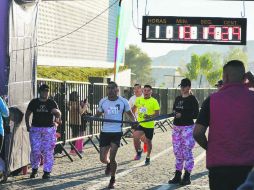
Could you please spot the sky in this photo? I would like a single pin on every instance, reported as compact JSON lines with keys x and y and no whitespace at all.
{"x":199,"y":8}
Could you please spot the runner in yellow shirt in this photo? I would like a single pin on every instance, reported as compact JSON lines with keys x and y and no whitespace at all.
{"x":147,"y":107}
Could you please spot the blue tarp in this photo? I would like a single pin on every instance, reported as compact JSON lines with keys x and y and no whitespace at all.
{"x":4,"y":14}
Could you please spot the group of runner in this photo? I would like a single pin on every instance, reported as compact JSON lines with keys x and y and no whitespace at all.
{"x":143,"y":106}
{"x":222,"y":156}
{"x":113,"y":107}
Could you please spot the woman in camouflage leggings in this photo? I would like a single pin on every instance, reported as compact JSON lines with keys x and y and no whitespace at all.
{"x":46,"y":117}
{"x":186,"y":109}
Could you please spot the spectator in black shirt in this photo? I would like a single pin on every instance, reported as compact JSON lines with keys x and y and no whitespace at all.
{"x":46,"y":117}
{"x":186,"y":109}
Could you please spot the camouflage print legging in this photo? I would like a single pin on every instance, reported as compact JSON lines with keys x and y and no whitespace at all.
{"x":43,"y":140}
{"x":183,"y":143}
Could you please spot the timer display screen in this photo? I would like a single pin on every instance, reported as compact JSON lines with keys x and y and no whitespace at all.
{"x":199,"y":30}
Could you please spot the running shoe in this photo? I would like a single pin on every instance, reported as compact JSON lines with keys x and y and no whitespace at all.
{"x":111,"y":184}
{"x":107,"y":170}
{"x":138,"y":156}
{"x":147,"y":162}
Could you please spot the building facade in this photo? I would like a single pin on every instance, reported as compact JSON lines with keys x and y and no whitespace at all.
{"x":90,"y":46}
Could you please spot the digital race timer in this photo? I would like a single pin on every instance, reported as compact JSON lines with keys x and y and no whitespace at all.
{"x":199,"y":30}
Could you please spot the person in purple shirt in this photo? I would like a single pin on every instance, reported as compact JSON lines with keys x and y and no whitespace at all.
{"x":229,"y":114}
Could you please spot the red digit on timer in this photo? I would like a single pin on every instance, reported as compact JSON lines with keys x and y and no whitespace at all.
{"x":224,"y":33}
{"x":186,"y":32}
{"x":236,"y":33}
{"x":211,"y":32}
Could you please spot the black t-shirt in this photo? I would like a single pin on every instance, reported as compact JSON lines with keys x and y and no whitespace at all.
{"x":188,"y":107}
{"x":42,"y":116}
{"x":204,"y":114}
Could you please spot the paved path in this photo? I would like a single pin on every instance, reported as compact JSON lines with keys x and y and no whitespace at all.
{"x":88,"y":173}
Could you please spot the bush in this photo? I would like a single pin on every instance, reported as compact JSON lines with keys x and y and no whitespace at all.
{"x":73,"y":73}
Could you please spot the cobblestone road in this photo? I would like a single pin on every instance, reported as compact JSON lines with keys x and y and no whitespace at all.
{"x":88,"y":173}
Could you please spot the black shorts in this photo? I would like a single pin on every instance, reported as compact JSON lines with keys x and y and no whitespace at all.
{"x":107,"y":138}
{"x":148,"y":131}
{"x":227,"y":177}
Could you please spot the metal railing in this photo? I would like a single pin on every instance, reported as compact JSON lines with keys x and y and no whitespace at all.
{"x":69,"y":96}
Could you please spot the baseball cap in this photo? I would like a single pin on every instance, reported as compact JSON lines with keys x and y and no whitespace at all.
{"x":44,"y":87}
{"x":219,"y":83}
{"x":185,"y":82}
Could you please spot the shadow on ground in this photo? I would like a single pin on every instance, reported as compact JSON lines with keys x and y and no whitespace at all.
{"x":172,"y":186}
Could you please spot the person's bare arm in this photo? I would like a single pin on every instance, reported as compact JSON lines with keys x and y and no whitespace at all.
{"x":98,"y":114}
{"x":199,"y":135}
{"x":134,"y":109}
{"x":250,"y":78}
{"x":27,"y":118}
{"x":57,"y":113}
{"x":132,"y":118}
{"x":156,"y":113}
{"x":131,"y":115}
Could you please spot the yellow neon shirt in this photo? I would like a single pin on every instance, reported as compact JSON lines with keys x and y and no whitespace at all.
{"x":148,"y":107}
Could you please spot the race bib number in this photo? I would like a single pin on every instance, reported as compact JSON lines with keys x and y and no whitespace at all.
{"x":143,"y":110}
{"x":112,"y":111}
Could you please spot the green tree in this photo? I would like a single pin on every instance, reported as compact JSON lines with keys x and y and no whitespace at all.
{"x":162,"y":85}
{"x":206,"y":63}
{"x":213,"y":76}
{"x":140,"y":64}
{"x":210,"y":65}
{"x":207,"y":66}
{"x":237,"y":53}
{"x":193,"y":68}
{"x":73,"y":73}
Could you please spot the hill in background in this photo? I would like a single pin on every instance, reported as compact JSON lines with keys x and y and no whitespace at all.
{"x":178,"y":58}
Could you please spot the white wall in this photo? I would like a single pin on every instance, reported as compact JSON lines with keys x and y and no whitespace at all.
{"x":92,"y":45}
{"x":123,"y":78}
{"x":69,"y":62}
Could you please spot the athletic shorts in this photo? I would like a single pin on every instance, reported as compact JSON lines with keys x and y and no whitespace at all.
{"x":148,"y":131}
{"x":107,"y":138}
